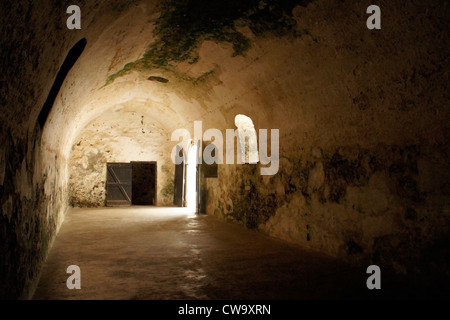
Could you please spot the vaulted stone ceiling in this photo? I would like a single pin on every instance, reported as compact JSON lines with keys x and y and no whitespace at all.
{"x":362,"y":114}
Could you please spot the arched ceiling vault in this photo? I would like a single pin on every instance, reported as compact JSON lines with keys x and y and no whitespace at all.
{"x":213,"y":86}
{"x":299,"y":78}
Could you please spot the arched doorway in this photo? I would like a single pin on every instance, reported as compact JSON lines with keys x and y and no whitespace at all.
{"x":247,"y":140}
{"x":191,"y":179}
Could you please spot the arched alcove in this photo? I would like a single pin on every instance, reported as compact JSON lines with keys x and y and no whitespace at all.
{"x":247,"y":139}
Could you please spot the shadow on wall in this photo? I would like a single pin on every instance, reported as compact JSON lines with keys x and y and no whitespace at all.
{"x":362,"y":205}
{"x":29,"y":217}
{"x":69,"y":62}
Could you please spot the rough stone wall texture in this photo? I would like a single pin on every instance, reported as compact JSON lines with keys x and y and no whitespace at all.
{"x":374,"y":205}
{"x":33,"y":184}
{"x":363,"y":171}
{"x":124,"y":134}
{"x":31,"y":198}
{"x":362,"y":114}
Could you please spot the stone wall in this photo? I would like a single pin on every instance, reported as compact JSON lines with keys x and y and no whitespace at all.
{"x":363,"y":173}
{"x":124,"y":134}
{"x":362,"y":114}
{"x":32,"y":198}
{"x":375,"y":205}
{"x":33,"y":176}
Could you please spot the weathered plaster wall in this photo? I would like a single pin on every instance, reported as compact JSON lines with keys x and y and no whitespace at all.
{"x":363,"y":123}
{"x":32,"y":200}
{"x":366,"y":205}
{"x":33,"y":171}
{"x":362,"y":114}
{"x":123,"y":134}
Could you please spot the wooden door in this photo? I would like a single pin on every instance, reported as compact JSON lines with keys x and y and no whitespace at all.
{"x":144,"y":183}
{"x":201,"y":189}
{"x":178,"y":195}
{"x":118,"y":184}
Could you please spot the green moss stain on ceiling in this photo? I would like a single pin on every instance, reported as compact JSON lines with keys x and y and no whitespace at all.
{"x":184,"y":24}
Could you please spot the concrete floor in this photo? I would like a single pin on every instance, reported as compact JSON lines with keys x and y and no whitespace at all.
{"x":166,"y":253}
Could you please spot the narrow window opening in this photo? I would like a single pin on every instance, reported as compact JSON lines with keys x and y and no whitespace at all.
{"x":191,"y":179}
{"x":68,"y":63}
{"x":247,"y":140}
